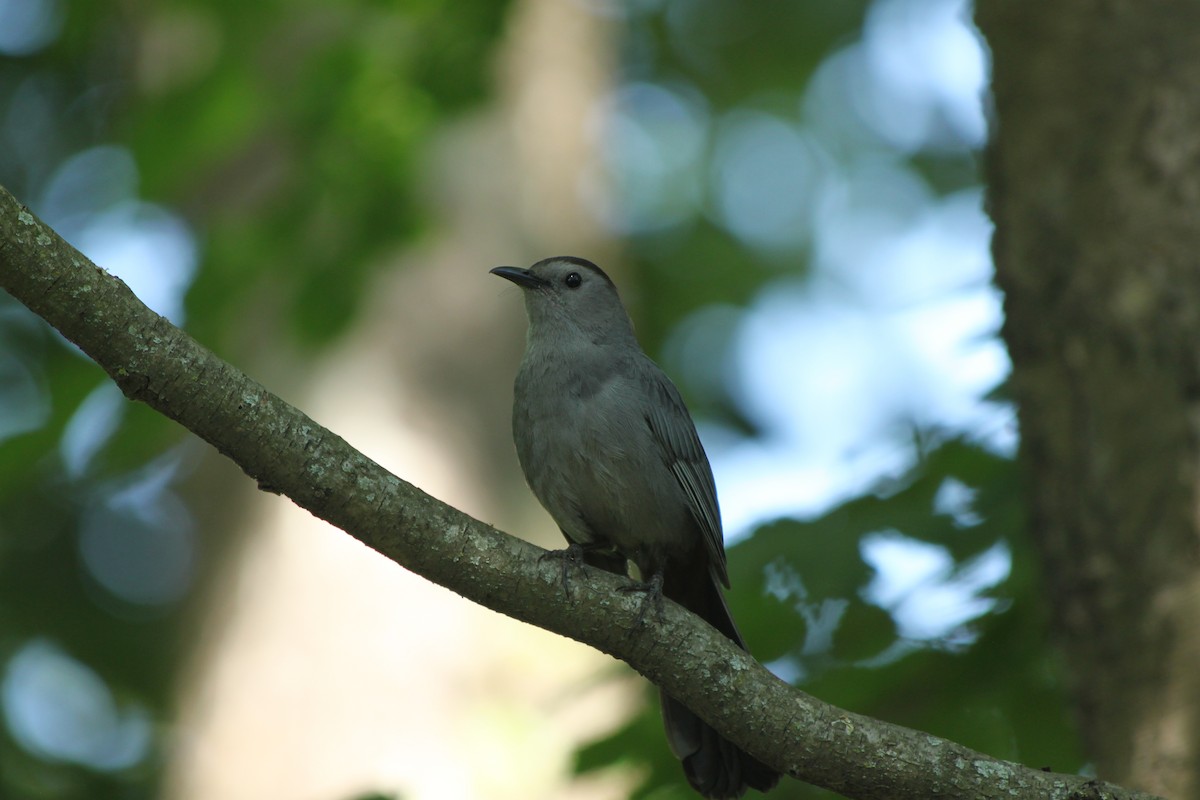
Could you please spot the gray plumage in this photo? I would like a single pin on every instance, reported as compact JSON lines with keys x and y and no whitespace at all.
{"x":609,"y":449}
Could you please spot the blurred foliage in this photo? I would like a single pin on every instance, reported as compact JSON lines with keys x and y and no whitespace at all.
{"x":286,"y":135}
{"x":736,"y":57}
{"x":301,"y":141}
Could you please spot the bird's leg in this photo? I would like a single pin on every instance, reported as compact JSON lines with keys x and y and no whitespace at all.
{"x":652,"y":596}
{"x":598,"y":554}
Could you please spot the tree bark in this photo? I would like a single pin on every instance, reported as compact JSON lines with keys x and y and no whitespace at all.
{"x":288,"y":453}
{"x":1094,"y":181}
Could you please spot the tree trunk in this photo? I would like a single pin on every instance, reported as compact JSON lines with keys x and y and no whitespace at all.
{"x":1094,"y":175}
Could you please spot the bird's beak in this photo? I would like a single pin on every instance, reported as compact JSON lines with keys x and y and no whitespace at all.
{"x":521,"y":277}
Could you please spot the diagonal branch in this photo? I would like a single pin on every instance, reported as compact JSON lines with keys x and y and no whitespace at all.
{"x":288,"y":453}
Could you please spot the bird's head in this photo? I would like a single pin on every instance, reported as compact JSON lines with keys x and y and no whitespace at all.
{"x":568,"y":296}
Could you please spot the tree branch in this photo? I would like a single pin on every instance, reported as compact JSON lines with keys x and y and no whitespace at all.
{"x":287,"y":453}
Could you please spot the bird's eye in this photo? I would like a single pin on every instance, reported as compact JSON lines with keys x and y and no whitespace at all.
{"x":572,"y":280}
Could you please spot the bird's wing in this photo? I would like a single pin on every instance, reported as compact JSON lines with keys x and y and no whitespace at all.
{"x":675,"y":432}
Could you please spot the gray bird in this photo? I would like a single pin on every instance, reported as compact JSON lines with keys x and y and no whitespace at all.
{"x":611,"y":452}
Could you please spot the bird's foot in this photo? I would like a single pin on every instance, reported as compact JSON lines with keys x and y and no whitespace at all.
{"x":594,"y":554}
{"x":652,"y":596}
{"x":570,"y":556}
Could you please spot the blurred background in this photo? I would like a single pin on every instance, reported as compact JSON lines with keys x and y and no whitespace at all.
{"x":787,"y":194}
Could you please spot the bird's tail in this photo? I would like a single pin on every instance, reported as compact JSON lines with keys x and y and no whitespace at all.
{"x":715,"y":766}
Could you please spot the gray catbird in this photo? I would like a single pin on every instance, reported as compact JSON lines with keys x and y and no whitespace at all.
{"x":609,"y":449}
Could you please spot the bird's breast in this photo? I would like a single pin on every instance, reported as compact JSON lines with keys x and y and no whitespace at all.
{"x":590,"y":457}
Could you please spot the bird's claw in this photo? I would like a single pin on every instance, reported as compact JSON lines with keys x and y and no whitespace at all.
{"x":652,"y":595}
{"x":593,"y":554}
{"x":571,"y":555}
